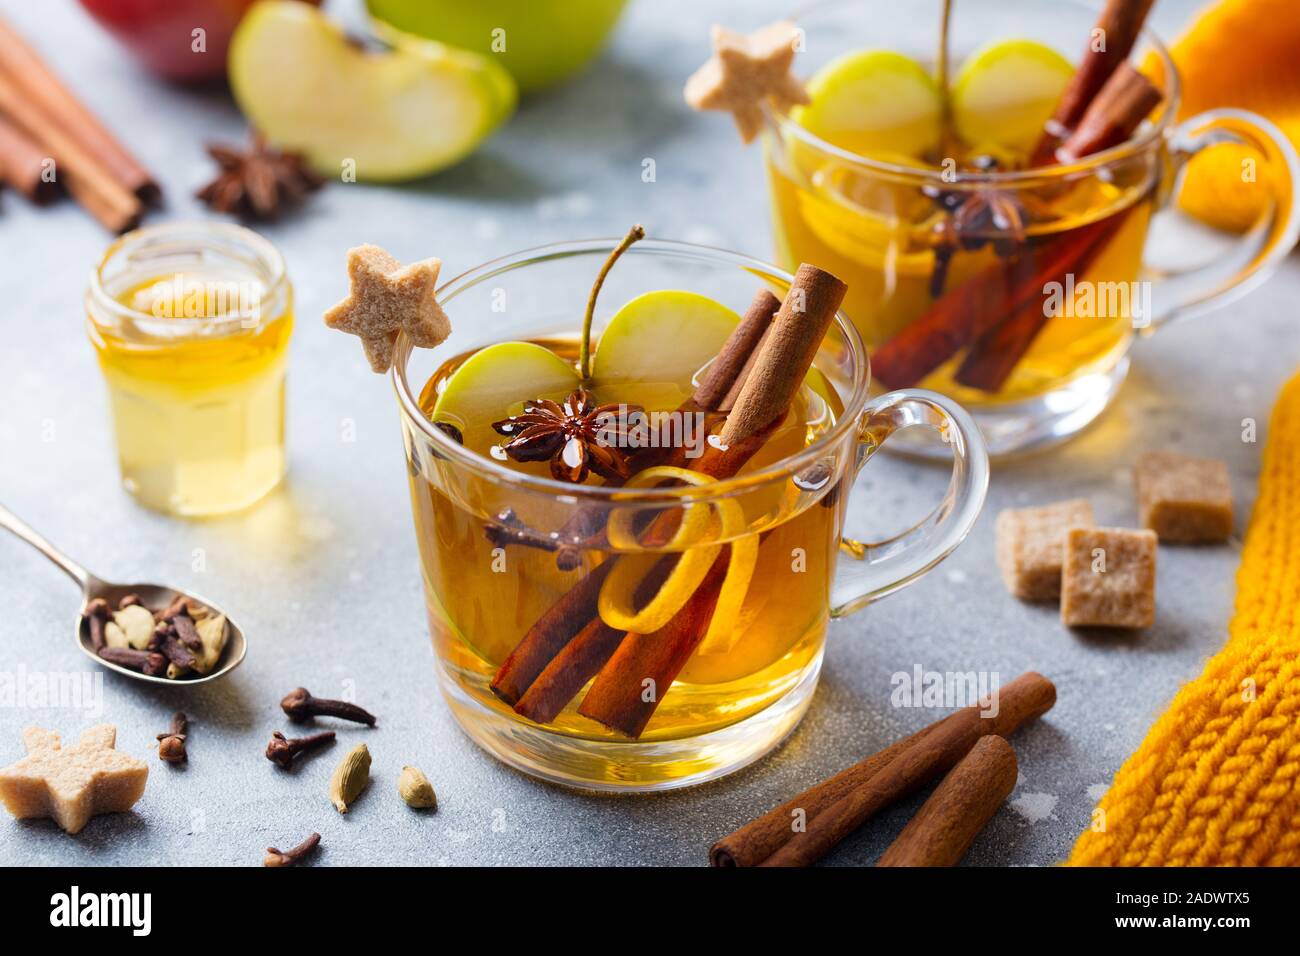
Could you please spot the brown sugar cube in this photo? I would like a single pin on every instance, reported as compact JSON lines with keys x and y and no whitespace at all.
{"x":72,"y":784}
{"x":1182,"y":498}
{"x":1029,"y":546}
{"x":1109,"y":578}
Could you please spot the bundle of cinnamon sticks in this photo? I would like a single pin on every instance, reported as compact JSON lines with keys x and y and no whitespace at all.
{"x":997,"y":314}
{"x":753,"y":381}
{"x":966,"y":748}
{"x":50,"y":141}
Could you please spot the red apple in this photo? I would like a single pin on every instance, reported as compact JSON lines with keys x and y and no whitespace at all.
{"x":164,"y":34}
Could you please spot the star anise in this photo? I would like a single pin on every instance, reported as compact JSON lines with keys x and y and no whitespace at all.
{"x":577,"y":436}
{"x":973,"y":219}
{"x":257,"y":182}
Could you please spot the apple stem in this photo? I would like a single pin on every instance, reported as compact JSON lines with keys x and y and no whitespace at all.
{"x":584,"y":354}
{"x":941,"y":79}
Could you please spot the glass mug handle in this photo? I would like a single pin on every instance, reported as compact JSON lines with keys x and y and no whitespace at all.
{"x":869,"y":571}
{"x":1275,"y":241}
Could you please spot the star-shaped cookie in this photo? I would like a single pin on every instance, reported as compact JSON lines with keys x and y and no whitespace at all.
{"x":72,"y":784}
{"x":386,"y":298}
{"x":747,"y":71}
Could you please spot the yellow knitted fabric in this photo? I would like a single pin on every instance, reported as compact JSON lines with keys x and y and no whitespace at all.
{"x":1217,"y":780}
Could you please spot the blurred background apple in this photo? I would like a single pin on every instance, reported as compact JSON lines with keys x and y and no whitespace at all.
{"x":161,"y":32}
{"x":545,"y":41}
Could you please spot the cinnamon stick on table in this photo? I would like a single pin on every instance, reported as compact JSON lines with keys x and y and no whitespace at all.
{"x":42,"y":88}
{"x":965,"y":800}
{"x":23,"y":164}
{"x":103,"y":196}
{"x":1109,"y":44}
{"x":1028,"y":696}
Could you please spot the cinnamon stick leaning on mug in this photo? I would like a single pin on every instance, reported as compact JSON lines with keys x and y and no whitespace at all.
{"x":715,"y":394}
{"x":1011,"y":292}
{"x":1127,"y":98}
{"x":1123,"y":103}
{"x":965,"y":800}
{"x":620,"y":664}
{"x":1109,"y":44}
{"x":618,"y":696}
{"x":830,"y":811}
{"x":573,"y":618}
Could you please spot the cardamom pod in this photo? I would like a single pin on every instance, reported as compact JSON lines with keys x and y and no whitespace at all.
{"x":414,"y":788}
{"x":350,"y":777}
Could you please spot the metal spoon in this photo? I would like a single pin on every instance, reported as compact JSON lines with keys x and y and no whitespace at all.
{"x":151,"y":596}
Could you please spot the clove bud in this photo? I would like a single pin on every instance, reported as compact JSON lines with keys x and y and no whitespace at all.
{"x":171,"y":745}
{"x":301,"y":706}
{"x":183,"y":624}
{"x":97,"y":616}
{"x":179,"y":603}
{"x":291,"y":857}
{"x":150,"y":663}
{"x":282,"y":750}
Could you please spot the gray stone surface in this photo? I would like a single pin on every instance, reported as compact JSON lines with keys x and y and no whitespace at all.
{"x":323,"y":574}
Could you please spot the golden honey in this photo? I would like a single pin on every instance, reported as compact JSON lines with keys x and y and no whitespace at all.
{"x":191,"y":327}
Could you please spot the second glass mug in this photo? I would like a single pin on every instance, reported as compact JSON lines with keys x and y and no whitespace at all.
{"x":870,"y":220}
{"x":725,"y":710}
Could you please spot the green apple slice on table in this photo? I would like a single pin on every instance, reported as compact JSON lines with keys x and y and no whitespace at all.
{"x":1006,"y":92}
{"x":396,"y":114}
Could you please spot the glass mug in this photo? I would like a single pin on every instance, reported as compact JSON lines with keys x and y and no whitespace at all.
{"x":720,"y":711}
{"x":190,"y":323}
{"x":872,"y":219}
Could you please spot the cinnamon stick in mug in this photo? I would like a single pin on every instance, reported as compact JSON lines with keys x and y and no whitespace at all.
{"x":716,"y":393}
{"x":527,"y":670}
{"x":965,"y":800}
{"x":1028,"y":696}
{"x":1109,"y":44}
{"x":727,"y":370}
{"x":1123,"y":103}
{"x":1119,"y":109}
{"x":993,"y":356}
{"x":976,"y":307}
{"x":618,"y":697}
